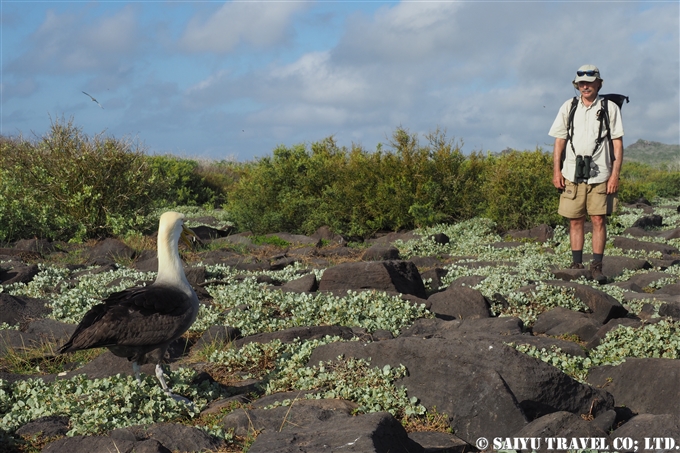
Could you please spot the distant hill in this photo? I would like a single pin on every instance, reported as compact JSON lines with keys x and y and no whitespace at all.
{"x":653,"y":153}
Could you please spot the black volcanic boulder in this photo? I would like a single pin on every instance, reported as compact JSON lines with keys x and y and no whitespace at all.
{"x":300,"y":412}
{"x":157,"y":438}
{"x":17,"y":309}
{"x":645,"y":386}
{"x":305,"y":284}
{"x":379,"y":252}
{"x":563,"y":425}
{"x":394,"y":276}
{"x":649,"y":221}
{"x":540,"y":233}
{"x":671,"y":308}
{"x":296,"y":333}
{"x":378,"y":432}
{"x":658,"y":433}
{"x":460,"y":302}
{"x":110,"y":250}
{"x":603,"y":306}
{"x":487,"y":388}
{"x":562,"y":321}
{"x":19,"y":273}
{"x":644,"y":246}
{"x":50,"y":426}
{"x":614,"y":265}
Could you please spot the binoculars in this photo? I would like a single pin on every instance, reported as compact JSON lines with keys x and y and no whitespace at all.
{"x":585,"y":168}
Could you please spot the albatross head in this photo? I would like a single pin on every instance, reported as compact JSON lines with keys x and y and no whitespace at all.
{"x":171,"y":230}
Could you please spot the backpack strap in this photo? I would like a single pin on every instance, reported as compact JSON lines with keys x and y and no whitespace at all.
{"x":570,"y":129}
{"x":605,"y":118}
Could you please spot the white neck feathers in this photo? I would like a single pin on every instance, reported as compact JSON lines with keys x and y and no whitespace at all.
{"x":170,"y":270}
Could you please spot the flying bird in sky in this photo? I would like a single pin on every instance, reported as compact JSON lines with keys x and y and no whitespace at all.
{"x":93,"y":99}
{"x":140,"y":323}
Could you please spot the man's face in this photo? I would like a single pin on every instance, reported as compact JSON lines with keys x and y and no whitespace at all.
{"x":589,"y":89}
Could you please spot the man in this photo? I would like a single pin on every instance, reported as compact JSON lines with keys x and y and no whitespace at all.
{"x":589,"y":175}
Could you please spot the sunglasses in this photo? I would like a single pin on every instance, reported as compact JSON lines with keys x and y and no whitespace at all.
{"x":587,"y":73}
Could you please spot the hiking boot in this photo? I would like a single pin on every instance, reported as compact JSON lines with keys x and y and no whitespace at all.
{"x":596,"y":272}
{"x":577,"y":266}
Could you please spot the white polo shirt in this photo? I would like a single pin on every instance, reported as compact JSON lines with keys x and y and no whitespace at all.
{"x":586,"y":127}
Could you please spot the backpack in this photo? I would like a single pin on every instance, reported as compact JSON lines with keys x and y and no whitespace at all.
{"x":604,"y":118}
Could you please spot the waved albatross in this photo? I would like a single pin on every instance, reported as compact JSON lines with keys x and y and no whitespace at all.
{"x":138,"y":321}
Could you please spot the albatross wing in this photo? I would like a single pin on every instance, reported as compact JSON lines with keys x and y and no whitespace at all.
{"x":135,"y":321}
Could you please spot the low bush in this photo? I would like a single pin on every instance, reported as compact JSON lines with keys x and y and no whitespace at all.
{"x":409,"y":185}
{"x":644,"y":181}
{"x":356,"y":192}
{"x":191,"y":182}
{"x":519,"y":190}
{"x":66,"y":185}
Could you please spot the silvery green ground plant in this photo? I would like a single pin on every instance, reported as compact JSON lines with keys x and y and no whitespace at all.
{"x":99,"y":405}
{"x":654,"y":340}
{"x":271,"y":310}
{"x":73,"y":300}
{"x":372,"y":388}
{"x":283,"y":368}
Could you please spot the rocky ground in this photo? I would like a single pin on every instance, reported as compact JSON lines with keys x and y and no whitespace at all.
{"x":477,"y":374}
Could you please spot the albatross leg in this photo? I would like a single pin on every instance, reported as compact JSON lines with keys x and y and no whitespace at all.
{"x":159,"y":375}
{"x":135,"y":368}
{"x":166,"y":389}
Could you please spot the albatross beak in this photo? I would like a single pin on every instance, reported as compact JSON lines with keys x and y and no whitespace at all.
{"x":186,"y":233}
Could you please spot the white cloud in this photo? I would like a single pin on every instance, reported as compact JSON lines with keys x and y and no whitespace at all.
{"x":260,"y":24}
{"x":63,"y":45}
{"x":301,"y":114}
{"x":491,"y":73}
{"x":406,"y":33}
{"x":313,"y":78}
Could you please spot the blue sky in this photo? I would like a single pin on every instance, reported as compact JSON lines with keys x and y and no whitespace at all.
{"x":234,"y":80}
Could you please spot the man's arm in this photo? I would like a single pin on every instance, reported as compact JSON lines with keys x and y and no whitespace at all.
{"x":558,"y":149}
{"x":613,"y":181}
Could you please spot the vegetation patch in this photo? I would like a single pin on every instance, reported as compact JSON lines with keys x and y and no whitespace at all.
{"x":270,"y":311}
{"x":100,"y":405}
{"x":655,"y":340}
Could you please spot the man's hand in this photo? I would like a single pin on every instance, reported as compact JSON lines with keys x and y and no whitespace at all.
{"x":612,"y":184}
{"x":613,"y":181}
{"x":558,"y":149}
{"x":558,"y":180}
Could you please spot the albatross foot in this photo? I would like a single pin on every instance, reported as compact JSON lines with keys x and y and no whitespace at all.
{"x":180,"y":399}
{"x":166,"y":389}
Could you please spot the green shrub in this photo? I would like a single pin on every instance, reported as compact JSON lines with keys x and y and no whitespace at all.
{"x":420,"y":186}
{"x":641,"y":180}
{"x":407,"y":186}
{"x":67,"y":185}
{"x":219,"y":177}
{"x":21,"y":214}
{"x":519,"y":190}
{"x":356,"y":192}
{"x":285,"y":191}
{"x":185,"y":185}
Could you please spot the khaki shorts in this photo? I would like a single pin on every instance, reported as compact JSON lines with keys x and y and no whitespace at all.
{"x":577,"y":200}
